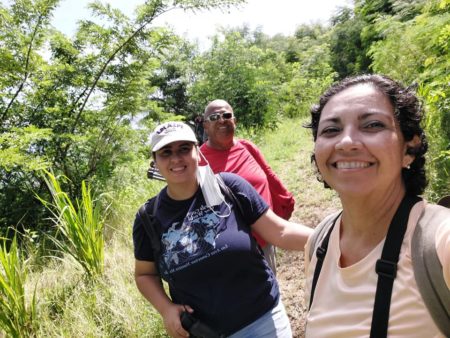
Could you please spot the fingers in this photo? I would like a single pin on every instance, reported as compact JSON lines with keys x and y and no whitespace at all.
{"x":188,"y":309}
{"x":182,"y":333}
{"x":172,"y":322}
{"x":178,"y":332}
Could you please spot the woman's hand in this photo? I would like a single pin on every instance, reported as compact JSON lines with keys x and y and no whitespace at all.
{"x":172,"y":322}
{"x":150,"y":285}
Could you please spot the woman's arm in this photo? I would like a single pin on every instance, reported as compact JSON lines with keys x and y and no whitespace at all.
{"x":281,"y":233}
{"x":150,"y":285}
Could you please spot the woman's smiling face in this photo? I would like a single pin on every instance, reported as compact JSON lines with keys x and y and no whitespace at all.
{"x":359,"y":145}
{"x":177,"y":161}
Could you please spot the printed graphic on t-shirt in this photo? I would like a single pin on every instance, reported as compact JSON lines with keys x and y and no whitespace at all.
{"x":188,"y":242}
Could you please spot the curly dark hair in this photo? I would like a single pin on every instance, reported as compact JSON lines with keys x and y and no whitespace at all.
{"x":407,"y":111}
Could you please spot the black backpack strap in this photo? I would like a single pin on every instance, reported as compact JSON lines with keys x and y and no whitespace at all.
{"x":320,"y":230}
{"x":386,"y":267}
{"x":150,"y":224}
{"x":321,"y":252}
{"x":427,"y":267}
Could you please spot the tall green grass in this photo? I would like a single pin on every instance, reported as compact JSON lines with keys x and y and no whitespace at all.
{"x":17,"y":318}
{"x":110,"y":305}
{"x":79,"y":226}
{"x":127,"y":188}
{"x":71,"y":306}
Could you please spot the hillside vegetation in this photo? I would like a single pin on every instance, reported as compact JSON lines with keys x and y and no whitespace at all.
{"x":69,"y":304}
{"x":76,"y":112}
{"x":82,"y":106}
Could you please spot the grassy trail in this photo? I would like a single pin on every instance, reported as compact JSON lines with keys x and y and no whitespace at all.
{"x":288,"y":151}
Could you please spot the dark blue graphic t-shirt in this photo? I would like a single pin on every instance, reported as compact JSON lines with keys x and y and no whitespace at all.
{"x":210,"y":259}
{"x":191,"y":239}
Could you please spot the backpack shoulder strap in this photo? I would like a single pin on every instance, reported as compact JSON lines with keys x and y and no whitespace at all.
{"x":320,"y":232}
{"x":325,"y":232}
{"x":427,"y":267}
{"x":386,"y":266}
{"x":150,"y":224}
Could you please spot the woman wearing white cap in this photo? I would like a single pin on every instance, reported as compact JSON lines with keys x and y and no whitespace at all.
{"x":215,"y":269}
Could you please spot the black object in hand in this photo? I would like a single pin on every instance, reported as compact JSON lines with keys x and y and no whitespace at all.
{"x":196,"y":328}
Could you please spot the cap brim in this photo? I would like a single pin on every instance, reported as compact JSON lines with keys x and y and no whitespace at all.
{"x":170,"y":139}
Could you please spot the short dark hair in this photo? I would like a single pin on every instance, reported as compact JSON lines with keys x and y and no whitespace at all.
{"x":407,"y":111}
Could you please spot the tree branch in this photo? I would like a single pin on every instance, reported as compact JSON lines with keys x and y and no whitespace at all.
{"x":110,"y":59}
{"x":27,"y":64}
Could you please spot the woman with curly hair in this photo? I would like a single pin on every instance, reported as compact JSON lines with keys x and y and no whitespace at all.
{"x":369,"y":148}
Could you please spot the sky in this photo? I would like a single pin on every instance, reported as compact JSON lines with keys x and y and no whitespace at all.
{"x":273,"y":16}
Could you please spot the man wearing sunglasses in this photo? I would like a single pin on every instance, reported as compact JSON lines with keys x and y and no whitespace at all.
{"x":225,"y":153}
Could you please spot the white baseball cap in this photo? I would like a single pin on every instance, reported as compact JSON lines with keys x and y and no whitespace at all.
{"x":171,"y":132}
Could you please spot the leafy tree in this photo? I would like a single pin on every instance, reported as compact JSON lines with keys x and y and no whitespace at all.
{"x":22,"y":36}
{"x":311,"y":73}
{"x":355,"y":31}
{"x":246,"y":76}
{"x":348,"y":56}
{"x":422,"y":58}
{"x":172,"y":79}
{"x":75,"y":99}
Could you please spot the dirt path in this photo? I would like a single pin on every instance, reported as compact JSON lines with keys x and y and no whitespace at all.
{"x":313,"y":203}
{"x":291,"y":277}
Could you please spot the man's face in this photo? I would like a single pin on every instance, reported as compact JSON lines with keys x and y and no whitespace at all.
{"x":219,"y":123}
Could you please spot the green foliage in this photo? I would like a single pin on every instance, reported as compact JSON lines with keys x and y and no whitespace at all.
{"x":173,"y":78}
{"x":126,"y":190}
{"x":347,"y":54}
{"x":83,"y":107}
{"x":260,"y":82}
{"x":437,"y":98}
{"x":110,"y":306}
{"x":311,"y":75}
{"x":18,"y":148}
{"x":79,"y":226}
{"x":17,"y":318}
{"x":423,"y":58}
{"x":301,"y":92}
{"x":73,"y":102}
{"x":242,"y":74}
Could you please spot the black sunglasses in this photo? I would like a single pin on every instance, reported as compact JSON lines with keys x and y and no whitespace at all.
{"x":217,"y":116}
